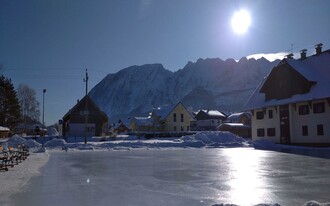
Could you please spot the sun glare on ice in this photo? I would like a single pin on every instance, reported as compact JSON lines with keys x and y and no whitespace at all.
{"x":241,"y":21}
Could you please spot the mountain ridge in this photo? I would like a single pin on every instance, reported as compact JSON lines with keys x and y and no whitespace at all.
{"x":210,"y":83}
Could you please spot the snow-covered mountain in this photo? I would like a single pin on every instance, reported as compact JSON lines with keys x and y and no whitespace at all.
{"x":205,"y":84}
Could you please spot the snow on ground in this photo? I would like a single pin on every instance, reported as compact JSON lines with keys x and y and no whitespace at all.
{"x":17,"y":176}
{"x":198,"y":140}
{"x":20,"y":174}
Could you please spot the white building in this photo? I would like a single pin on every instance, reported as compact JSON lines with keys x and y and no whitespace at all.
{"x":209,"y":119}
{"x":292,"y":104}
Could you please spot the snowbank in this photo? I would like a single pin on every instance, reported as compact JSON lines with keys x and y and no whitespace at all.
{"x":210,"y":139}
{"x":308,"y":151}
{"x":216,"y":139}
{"x":202,"y":139}
{"x":206,"y":139}
{"x":55,"y":143}
{"x":309,"y":203}
{"x":30,"y":143}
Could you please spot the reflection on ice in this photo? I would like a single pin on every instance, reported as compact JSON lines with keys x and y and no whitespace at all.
{"x":246,"y":182}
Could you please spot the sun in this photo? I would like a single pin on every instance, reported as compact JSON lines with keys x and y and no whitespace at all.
{"x":241,"y":21}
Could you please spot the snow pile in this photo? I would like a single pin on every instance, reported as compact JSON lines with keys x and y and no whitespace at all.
{"x":52,"y":132}
{"x":202,"y":139}
{"x":31,"y":144}
{"x":54,"y":143}
{"x":314,"y":203}
{"x":15,"y":140}
{"x":217,"y":139}
{"x":309,"y":203}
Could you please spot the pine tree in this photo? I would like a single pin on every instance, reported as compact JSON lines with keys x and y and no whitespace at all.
{"x":9,"y":104}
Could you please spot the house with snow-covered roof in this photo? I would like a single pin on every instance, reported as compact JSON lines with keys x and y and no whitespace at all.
{"x":142,"y":124}
{"x":209,"y":119}
{"x":121,"y":127}
{"x":171,"y":118}
{"x":239,"y":117}
{"x":292,"y":104}
{"x":74,"y":122}
{"x":4,"y":132}
{"x":237,"y":123}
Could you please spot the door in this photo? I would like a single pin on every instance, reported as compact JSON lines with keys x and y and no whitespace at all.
{"x":285,"y":124}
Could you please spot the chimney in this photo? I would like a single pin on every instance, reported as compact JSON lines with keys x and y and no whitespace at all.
{"x":303,"y":54}
{"x":289,"y":56}
{"x":318,"y":48}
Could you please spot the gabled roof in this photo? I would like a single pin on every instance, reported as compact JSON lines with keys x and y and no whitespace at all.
{"x":4,"y":129}
{"x":214,"y":113}
{"x":90,"y":103}
{"x":210,"y":114}
{"x":236,"y":115}
{"x":163,"y":112}
{"x":143,"y":121}
{"x":314,"y":68}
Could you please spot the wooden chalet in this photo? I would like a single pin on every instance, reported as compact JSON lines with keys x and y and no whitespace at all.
{"x":74,"y":121}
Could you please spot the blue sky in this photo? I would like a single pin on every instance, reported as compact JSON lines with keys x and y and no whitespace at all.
{"x":49,"y":43}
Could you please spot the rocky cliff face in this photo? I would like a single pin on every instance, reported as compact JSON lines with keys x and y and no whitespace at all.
{"x":205,"y":84}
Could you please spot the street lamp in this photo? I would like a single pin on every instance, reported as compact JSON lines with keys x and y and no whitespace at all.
{"x":43,"y":116}
{"x":43,"y":107}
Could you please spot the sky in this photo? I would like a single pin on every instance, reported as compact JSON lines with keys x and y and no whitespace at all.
{"x":48,"y":44}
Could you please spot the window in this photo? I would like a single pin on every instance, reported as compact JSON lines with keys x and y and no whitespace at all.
{"x":188,"y":128}
{"x":303,"y":109}
{"x":318,"y":108}
{"x":182,"y":118}
{"x":174,"y":128}
{"x":181,"y":128}
{"x":174,"y":117}
{"x":270,"y":132}
{"x":260,"y":115}
{"x":270,"y":114}
{"x":320,"y":130}
{"x":260,"y":132}
{"x":304,"y":130}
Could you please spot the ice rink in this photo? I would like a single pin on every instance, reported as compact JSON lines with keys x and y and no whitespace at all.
{"x":241,"y":176}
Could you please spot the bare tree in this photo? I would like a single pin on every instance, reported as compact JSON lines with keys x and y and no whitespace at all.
{"x":29,"y":104}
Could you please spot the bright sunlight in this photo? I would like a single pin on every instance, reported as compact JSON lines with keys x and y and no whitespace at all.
{"x":241,"y":21}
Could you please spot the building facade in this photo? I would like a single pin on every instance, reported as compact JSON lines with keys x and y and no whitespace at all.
{"x":292,"y":105}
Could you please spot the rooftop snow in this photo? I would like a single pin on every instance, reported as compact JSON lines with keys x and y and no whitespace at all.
{"x":214,"y":113}
{"x":4,"y":129}
{"x":143,"y":121}
{"x":315,"y":68}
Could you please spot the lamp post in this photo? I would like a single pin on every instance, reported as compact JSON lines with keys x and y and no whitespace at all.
{"x":43,"y":107}
{"x":43,"y":116}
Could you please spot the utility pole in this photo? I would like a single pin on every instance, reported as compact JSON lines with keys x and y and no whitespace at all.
{"x":86,"y":107}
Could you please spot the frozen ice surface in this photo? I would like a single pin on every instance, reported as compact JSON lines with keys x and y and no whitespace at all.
{"x":176,"y":176}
